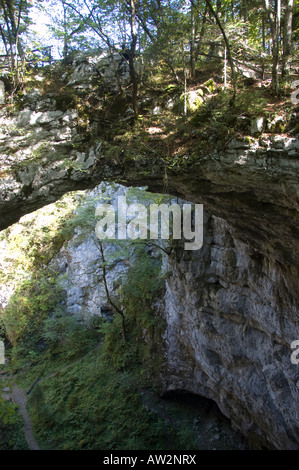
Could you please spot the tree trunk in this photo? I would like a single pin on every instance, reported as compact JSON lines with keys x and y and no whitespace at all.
{"x":275,"y":21}
{"x":229,"y":56}
{"x":192,"y":43}
{"x":12,"y":43}
{"x":287,"y":36}
{"x":113,"y":305}
{"x":133,"y":75}
{"x":202,"y":33}
{"x":15,"y":27}
{"x":275,"y":70}
{"x":9,"y":35}
{"x":232,"y":10}
{"x":185,"y":80}
{"x":263,"y":34}
{"x":65,"y":34}
{"x":243,"y":10}
{"x":225,"y":69}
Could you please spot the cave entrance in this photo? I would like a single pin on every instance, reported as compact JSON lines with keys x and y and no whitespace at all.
{"x":213,"y":429}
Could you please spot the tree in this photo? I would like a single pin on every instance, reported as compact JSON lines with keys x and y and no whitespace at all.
{"x":65,"y":26}
{"x":287,"y":36}
{"x":14,"y":22}
{"x":274,"y":19}
{"x":132,"y":54}
{"x":103,"y":19}
{"x":228,"y":48}
{"x":113,"y":304}
{"x":85,"y":219}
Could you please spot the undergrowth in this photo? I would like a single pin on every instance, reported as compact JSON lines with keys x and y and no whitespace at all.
{"x":92,"y":405}
{"x":11,"y":426}
{"x":85,"y":382}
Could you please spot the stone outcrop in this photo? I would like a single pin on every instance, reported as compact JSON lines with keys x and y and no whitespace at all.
{"x":251,"y":184}
{"x":106,"y":67}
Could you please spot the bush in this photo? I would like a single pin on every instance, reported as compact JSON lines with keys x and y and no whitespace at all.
{"x":27,"y":310}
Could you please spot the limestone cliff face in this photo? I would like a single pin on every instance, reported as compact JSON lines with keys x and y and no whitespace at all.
{"x":232,"y":307}
{"x":231,"y":317}
{"x":80,"y":264}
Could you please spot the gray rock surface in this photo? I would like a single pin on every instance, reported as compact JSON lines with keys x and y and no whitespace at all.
{"x":231,"y":318}
{"x":101,"y":65}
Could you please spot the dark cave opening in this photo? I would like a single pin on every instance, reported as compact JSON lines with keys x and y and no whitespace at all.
{"x":206,"y":405}
{"x":208,"y":416}
{"x":214,"y":429}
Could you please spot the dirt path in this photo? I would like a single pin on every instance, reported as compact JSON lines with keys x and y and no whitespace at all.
{"x":18,"y":396}
{"x":20,"y":399}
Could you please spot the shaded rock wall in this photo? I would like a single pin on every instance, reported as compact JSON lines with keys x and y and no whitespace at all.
{"x":231,"y":318}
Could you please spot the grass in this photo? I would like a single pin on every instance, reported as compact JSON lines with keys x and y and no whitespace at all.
{"x":12,"y":435}
{"x":11,"y":423}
